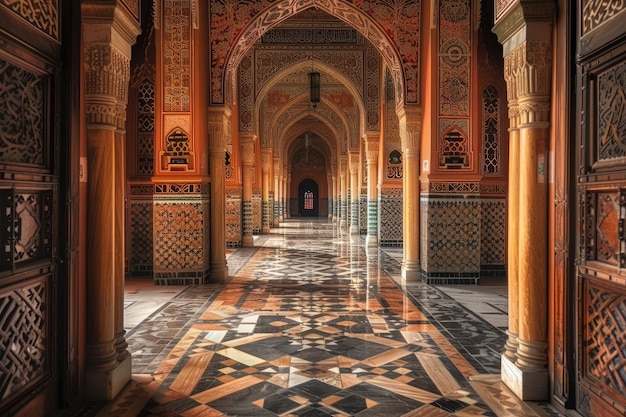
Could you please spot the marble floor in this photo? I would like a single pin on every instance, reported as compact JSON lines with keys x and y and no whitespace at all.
{"x":312,"y":324}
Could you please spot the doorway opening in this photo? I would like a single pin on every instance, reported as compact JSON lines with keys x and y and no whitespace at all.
{"x":308,"y":199}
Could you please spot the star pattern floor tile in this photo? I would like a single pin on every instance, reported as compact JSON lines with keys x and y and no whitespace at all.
{"x":311,"y":325}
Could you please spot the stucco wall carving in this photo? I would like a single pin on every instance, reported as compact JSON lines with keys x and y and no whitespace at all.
{"x":177,"y":56}
{"x":233,"y":33}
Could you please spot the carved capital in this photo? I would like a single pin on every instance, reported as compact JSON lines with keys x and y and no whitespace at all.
{"x":266,"y":160}
{"x":107,"y":77}
{"x":218,"y":122}
{"x":528,"y":71}
{"x":247,"y":151}
{"x":410,"y":127}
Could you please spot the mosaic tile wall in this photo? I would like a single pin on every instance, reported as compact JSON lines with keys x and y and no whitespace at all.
{"x":233,"y":218}
{"x":493,"y":236}
{"x":363,"y":214}
{"x":257,"y":216}
{"x":450,"y":239}
{"x":390,"y":217}
{"x":181,"y":236}
{"x":140,"y":241}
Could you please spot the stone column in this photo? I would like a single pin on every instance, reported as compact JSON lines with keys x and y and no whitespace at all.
{"x":354,"y":193}
{"x":343,"y":193}
{"x":266,"y":204}
{"x":247,"y":156}
{"x":329,"y":180}
{"x":278,"y":197}
{"x":526,"y":32}
{"x":410,"y":135}
{"x":287,"y":186}
{"x":108,"y":34}
{"x":218,"y":127}
{"x":371,"y":156}
{"x":335,"y":181}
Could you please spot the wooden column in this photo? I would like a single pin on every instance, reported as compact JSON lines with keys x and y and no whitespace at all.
{"x":526,"y":32}
{"x":218,"y":123}
{"x":410,"y":135}
{"x":371,"y":156}
{"x":108,"y":35}
{"x":247,"y":156}
{"x":510,"y":348}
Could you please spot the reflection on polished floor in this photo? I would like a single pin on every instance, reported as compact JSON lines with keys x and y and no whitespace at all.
{"x":312,"y":325}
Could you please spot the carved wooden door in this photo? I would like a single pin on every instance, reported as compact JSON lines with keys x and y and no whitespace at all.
{"x":601,"y":219}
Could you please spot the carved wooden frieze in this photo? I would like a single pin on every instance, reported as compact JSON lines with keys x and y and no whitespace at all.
{"x":23,"y":135}
{"x":42,"y":14}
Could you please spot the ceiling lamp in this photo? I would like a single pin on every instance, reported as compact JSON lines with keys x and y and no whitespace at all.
{"x":314,"y":88}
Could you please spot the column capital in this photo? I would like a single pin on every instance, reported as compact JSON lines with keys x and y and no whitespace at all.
{"x":247,"y":149}
{"x":266,"y":159}
{"x":410,"y":118}
{"x":109,"y":33}
{"x":218,"y":121}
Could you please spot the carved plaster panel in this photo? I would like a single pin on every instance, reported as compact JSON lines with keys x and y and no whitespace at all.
{"x":393,"y":28}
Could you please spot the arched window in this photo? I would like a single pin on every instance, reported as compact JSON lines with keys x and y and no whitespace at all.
{"x":309,"y":200}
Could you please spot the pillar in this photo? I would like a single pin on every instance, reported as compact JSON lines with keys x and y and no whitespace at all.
{"x":108,"y":35}
{"x":371,"y":156}
{"x":329,"y":180}
{"x":218,"y":126}
{"x":335,"y":182}
{"x":510,"y":348}
{"x":287,"y":188}
{"x":354,"y":193}
{"x":266,"y":204}
{"x":247,"y":156}
{"x":343,"y":193}
{"x":410,"y":135}
{"x":278,"y":196}
{"x":525,"y":32}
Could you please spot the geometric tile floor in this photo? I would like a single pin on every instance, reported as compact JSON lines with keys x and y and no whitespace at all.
{"x":309,"y":324}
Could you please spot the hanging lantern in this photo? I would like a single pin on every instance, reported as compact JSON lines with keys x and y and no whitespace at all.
{"x":314,"y":88}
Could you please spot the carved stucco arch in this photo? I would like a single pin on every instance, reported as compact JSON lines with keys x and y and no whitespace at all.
{"x":307,"y":64}
{"x":297,"y":110}
{"x":368,"y":26}
{"x":325,"y":147}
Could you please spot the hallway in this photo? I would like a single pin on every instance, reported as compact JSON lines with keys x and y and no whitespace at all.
{"x":311,"y":325}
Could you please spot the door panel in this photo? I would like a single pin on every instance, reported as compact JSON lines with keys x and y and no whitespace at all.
{"x":601,"y":218}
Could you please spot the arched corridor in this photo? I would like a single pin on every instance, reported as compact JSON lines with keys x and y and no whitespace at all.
{"x":312,"y":324}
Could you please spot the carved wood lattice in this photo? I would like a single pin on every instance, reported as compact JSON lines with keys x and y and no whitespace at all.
{"x":605,"y":338}
{"x":23,"y":337}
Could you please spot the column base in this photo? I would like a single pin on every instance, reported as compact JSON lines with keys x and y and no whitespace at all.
{"x":266,"y":230}
{"x":411,"y":271}
{"x":354,"y":229}
{"x":105,"y":385}
{"x":218,"y":272}
{"x":247,"y":242}
{"x":528,"y":384}
{"x":343,"y":223}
